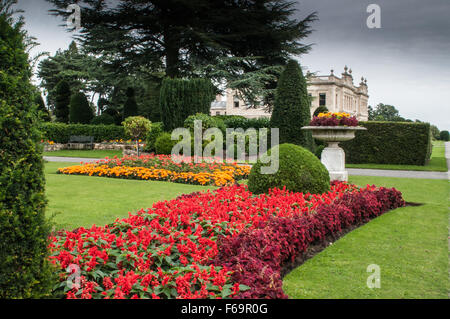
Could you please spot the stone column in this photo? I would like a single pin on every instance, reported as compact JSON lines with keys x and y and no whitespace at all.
{"x":333,"y":157}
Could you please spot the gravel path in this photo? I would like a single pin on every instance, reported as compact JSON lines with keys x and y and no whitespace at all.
{"x":405,"y":174}
{"x":351,"y":171}
{"x":70,"y":159}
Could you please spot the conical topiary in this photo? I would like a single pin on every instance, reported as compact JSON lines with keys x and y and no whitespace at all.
{"x":292,"y":107}
{"x":24,"y":266}
{"x":80,"y":111}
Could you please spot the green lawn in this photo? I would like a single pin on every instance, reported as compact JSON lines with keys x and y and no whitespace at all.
{"x":85,"y":153}
{"x":409,"y":244}
{"x":86,"y":200}
{"x":437,"y":162}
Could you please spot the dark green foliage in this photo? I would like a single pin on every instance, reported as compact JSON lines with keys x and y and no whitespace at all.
{"x":62,"y":102}
{"x":444,"y":136}
{"x":130,"y":107}
{"x":390,"y":143}
{"x":292,"y":107}
{"x":80,"y":110}
{"x":24,"y":267}
{"x":155,"y":132}
{"x":180,"y":98}
{"x":164,"y":144}
{"x":207,"y":122}
{"x":320,"y":109}
{"x":299,"y":171}
{"x":319,"y":150}
{"x":42,"y":110}
{"x":60,"y":133}
{"x":435,"y":132}
{"x":104,"y":119}
{"x":116,"y":115}
{"x":233,"y":121}
{"x":150,"y":107}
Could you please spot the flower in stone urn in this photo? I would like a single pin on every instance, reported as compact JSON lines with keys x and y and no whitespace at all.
{"x":334,"y":119}
{"x":334,"y":128}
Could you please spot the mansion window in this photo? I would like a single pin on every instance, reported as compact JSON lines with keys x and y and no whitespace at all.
{"x":236,"y":101}
{"x":322,"y":99}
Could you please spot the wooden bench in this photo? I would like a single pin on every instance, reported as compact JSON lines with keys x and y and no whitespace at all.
{"x":81,"y":142}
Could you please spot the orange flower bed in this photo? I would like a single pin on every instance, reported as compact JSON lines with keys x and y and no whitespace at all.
{"x":225,"y":176}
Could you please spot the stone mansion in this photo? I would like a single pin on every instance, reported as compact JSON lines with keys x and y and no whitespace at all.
{"x":337,"y":94}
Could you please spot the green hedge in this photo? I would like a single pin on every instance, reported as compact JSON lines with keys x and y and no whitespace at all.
{"x":390,"y":143}
{"x":232,"y":121}
{"x":60,"y":132}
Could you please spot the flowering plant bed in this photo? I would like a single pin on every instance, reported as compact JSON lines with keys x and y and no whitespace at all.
{"x":226,"y":243}
{"x":334,"y":119}
{"x":163,"y":168}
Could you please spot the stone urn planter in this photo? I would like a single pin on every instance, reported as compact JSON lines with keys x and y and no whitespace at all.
{"x":333,"y":157}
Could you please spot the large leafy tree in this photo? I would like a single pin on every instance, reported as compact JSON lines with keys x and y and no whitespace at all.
{"x":240,"y":41}
{"x":69,"y":66}
{"x":385,"y":112}
{"x":24,"y":266}
{"x":292,"y":107}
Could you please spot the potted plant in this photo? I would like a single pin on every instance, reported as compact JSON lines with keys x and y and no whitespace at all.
{"x":334,"y":128}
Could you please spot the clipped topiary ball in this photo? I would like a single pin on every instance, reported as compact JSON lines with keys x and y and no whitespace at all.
{"x":299,"y":170}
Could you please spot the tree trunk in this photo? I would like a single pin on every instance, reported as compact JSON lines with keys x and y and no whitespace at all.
{"x":172,"y":52}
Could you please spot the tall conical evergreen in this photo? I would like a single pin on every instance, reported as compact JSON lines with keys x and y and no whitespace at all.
{"x":292,"y":107}
{"x":130,"y":107}
{"x":180,"y":98}
{"x":24,"y":267}
{"x":62,"y":102}
{"x":80,"y":110}
{"x":42,"y":110}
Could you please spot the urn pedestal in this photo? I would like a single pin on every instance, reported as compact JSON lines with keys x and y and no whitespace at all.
{"x":333,"y":156}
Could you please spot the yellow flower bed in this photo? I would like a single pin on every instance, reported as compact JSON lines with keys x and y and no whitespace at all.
{"x":339,"y":115}
{"x":226,"y":176}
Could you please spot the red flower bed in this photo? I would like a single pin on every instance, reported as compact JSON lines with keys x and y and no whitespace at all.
{"x":257,"y":255}
{"x":172,"y":251}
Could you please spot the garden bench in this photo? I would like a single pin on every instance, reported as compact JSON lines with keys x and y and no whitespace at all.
{"x":81,"y":142}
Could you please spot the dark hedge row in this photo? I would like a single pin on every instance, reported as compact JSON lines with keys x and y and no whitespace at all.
{"x":60,"y":132}
{"x":390,"y":143}
{"x":257,"y":256}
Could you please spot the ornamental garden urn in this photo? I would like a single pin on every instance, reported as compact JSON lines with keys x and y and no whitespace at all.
{"x":333,"y":156}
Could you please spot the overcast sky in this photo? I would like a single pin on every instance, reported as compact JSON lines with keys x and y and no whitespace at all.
{"x":406,"y":61}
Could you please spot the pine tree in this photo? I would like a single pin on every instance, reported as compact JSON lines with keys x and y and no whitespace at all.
{"x":80,"y":110}
{"x":292,"y":107}
{"x":24,"y":267}
{"x":62,"y":102}
{"x":186,"y":38}
{"x":130,"y":107}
